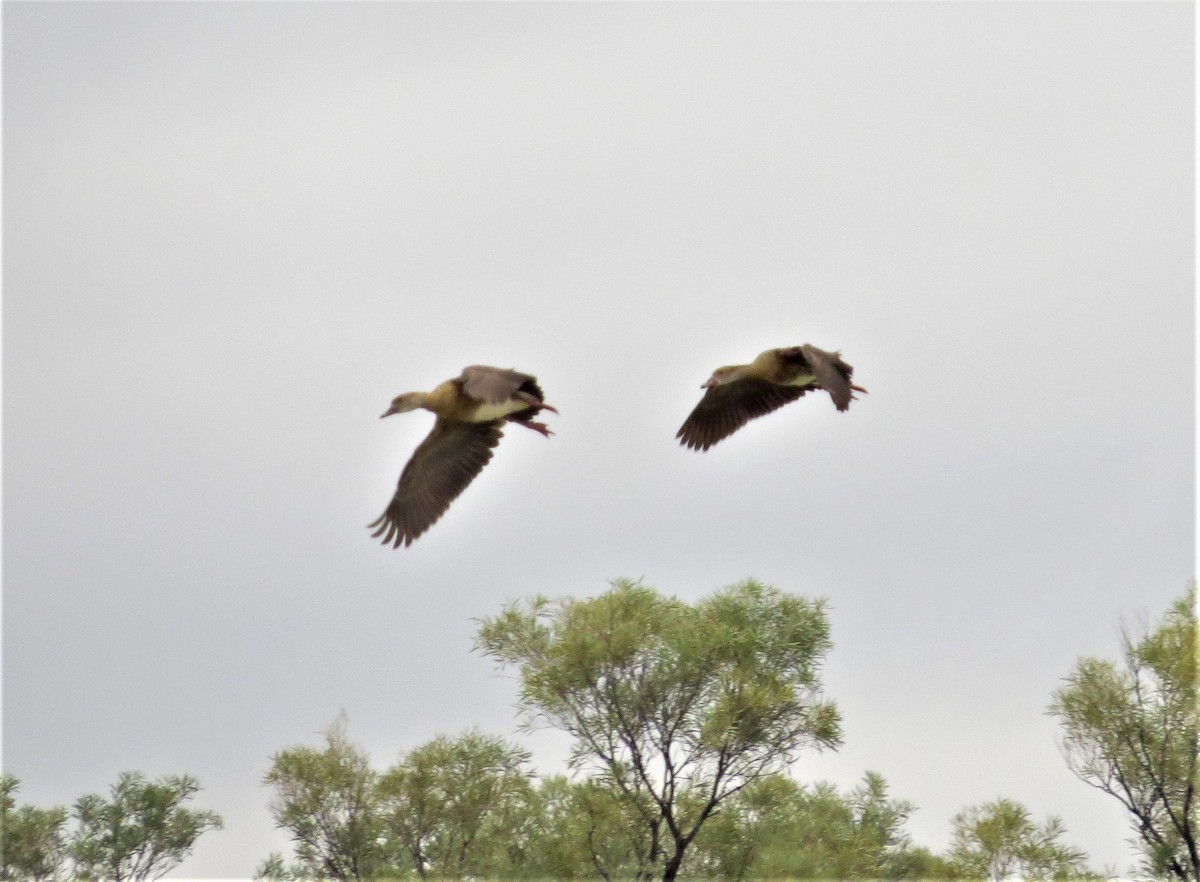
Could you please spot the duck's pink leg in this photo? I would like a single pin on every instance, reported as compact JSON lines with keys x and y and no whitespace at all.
{"x":537,"y":427}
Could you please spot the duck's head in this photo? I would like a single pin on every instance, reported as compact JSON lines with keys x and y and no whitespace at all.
{"x":404,"y":403}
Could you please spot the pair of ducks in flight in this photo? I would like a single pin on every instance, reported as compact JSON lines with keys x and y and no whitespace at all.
{"x":473,"y":407}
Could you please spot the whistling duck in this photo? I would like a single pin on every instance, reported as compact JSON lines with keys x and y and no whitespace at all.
{"x":471,"y":411}
{"x":736,"y":394}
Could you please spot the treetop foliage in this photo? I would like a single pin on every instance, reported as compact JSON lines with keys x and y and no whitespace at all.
{"x":678,"y":706}
{"x":685,"y":719}
{"x":140,"y":832}
{"x":1132,"y":730}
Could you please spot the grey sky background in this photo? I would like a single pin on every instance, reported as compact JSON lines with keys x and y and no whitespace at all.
{"x":234,"y":232}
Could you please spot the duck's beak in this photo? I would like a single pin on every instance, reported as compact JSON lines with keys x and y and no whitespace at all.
{"x":388,"y":412}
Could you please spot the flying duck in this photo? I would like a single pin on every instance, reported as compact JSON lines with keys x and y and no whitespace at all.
{"x":471,"y":412}
{"x":738,"y":393}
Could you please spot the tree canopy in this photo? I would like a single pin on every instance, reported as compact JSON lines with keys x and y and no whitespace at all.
{"x":676,"y":706}
{"x":1131,"y":730}
{"x":686,"y":719}
{"x":451,"y":802}
{"x":1000,"y":840}
{"x":326,"y":801}
{"x":33,"y":841}
{"x":142,"y":831}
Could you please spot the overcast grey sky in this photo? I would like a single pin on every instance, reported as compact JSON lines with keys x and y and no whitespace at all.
{"x":234,"y":232}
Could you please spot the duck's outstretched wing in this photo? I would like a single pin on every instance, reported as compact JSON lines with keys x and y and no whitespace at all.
{"x":440,"y":469}
{"x":726,"y":408}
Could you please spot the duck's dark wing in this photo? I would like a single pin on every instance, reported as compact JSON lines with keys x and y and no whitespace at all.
{"x":440,"y":469}
{"x":725,"y":409}
{"x":831,"y":372}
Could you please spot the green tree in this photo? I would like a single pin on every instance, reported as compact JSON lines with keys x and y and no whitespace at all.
{"x":778,"y":828}
{"x":568,"y":829}
{"x":141,"y":832}
{"x":326,"y":800}
{"x":732,"y":842}
{"x":273,"y":868}
{"x":33,"y":841}
{"x":549,"y":840}
{"x":856,"y":836}
{"x":1130,"y":730}
{"x":620,"y":843}
{"x":998,"y":840}
{"x":675,"y":707}
{"x":455,"y":804}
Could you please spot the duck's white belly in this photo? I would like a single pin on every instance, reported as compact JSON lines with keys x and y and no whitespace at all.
{"x":488,"y":412}
{"x":802,"y":380}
